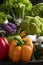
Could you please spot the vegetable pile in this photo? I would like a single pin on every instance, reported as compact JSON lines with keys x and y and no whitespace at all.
{"x":21,"y":31}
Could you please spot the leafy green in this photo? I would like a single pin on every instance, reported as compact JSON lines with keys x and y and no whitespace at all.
{"x":27,"y":3}
{"x":37,"y":10}
{"x":38,"y":51}
{"x":6,"y":8}
{"x":3,"y":17}
{"x":16,"y":8}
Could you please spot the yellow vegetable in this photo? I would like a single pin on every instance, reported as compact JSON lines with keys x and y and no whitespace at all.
{"x":23,"y":34}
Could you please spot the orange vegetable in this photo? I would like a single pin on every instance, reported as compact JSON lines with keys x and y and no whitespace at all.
{"x":27,"y":49}
{"x":21,"y":53}
{"x":23,"y":34}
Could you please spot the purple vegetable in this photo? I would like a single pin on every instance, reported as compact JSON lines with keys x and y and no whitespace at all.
{"x":12,"y":25}
{"x":0,"y":27}
{"x":9,"y":28}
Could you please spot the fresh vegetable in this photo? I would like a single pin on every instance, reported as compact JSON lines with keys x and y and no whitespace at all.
{"x":0,"y":27}
{"x":23,"y":34}
{"x":3,"y":17}
{"x":24,"y":24}
{"x":20,"y":49}
{"x":33,"y":25}
{"x":27,"y":3}
{"x":38,"y":51}
{"x":2,"y":33}
{"x":4,"y":47}
{"x":20,"y":23}
{"x":32,"y":37}
{"x":40,"y":39}
{"x":16,"y":8}
{"x":17,"y":37}
{"x":10,"y":38}
{"x":38,"y":48}
{"x":37,"y":10}
{"x":10,"y":28}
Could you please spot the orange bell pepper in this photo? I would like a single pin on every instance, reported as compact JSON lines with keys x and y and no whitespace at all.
{"x":21,"y":53}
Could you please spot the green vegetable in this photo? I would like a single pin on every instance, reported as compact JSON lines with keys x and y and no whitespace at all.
{"x":10,"y":38}
{"x":38,"y":51}
{"x":16,"y":37}
{"x":25,"y":22}
{"x":37,"y":10}
{"x":16,"y":8}
{"x":9,"y":17}
{"x":19,"y":39}
{"x":6,"y":8}
{"x":27,"y":3}
{"x":32,"y":25}
{"x":41,"y":26}
{"x":2,"y":33}
{"x":3,"y":17}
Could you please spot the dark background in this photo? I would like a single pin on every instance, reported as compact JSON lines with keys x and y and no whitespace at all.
{"x":33,"y":1}
{"x":36,"y":1}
